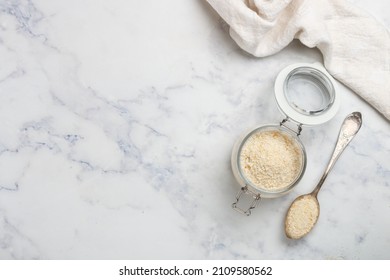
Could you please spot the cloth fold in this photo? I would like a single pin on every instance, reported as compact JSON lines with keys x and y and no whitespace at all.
{"x":355,"y":47}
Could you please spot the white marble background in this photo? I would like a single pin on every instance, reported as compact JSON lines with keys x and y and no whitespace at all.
{"x":117,"y":120}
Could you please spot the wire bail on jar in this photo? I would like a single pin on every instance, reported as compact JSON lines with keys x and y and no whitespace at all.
{"x":299,"y":126}
{"x":253,"y":205}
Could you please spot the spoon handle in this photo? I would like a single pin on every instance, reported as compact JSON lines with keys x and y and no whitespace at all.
{"x":348,"y":130}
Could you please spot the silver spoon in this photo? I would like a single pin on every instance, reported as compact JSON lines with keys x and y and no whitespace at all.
{"x":303,"y":213}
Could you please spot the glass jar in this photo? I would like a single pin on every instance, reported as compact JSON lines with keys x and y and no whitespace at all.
{"x":269,"y":160}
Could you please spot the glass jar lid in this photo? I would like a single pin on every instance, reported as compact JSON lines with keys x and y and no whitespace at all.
{"x":306,"y":94}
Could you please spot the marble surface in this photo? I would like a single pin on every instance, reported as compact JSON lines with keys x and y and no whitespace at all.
{"x":117,"y":123}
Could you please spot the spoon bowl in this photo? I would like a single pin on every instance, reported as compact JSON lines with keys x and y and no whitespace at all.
{"x":302,"y":216}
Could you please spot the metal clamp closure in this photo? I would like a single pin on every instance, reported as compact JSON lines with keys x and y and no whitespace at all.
{"x":299,"y":126}
{"x":254,"y":203}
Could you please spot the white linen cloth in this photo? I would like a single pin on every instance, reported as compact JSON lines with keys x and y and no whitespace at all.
{"x":355,"y":47}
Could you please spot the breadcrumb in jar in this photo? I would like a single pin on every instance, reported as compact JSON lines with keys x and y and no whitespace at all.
{"x":271,"y":160}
